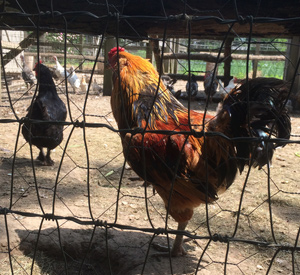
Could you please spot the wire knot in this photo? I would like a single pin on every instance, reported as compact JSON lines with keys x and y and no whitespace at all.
{"x":49,"y":217}
{"x":78,"y":124}
{"x":137,"y":130}
{"x":23,"y":120}
{"x":3,"y":211}
{"x":159,"y":231}
{"x":219,"y":238}
{"x":244,"y":20}
{"x":197,"y":134}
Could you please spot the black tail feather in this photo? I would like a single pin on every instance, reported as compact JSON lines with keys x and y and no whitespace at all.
{"x":257,"y":110}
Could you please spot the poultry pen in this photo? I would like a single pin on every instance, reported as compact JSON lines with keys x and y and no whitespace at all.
{"x":90,"y":212}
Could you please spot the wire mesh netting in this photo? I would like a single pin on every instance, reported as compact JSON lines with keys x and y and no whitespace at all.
{"x":90,"y":212}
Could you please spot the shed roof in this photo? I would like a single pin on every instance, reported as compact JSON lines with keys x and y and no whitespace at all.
{"x":137,"y":19}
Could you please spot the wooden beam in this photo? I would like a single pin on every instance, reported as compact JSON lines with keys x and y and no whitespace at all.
{"x":198,"y":77}
{"x":211,"y":57}
{"x":25,"y":43}
{"x":291,"y":62}
{"x":199,"y":56}
{"x":73,"y":56}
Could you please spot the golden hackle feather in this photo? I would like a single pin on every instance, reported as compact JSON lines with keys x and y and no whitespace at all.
{"x":139,"y":78}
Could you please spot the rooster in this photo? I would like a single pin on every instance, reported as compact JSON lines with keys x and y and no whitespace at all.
{"x":210,"y":85}
{"x":188,"y":169}
{"x":47,"y":107}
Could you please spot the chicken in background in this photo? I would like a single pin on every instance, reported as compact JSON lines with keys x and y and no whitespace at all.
{"x":27,"y":74}
{"x":193,"y":88}
{"x":47,"y":106}
{"x":59,"y":70}
{"x":83,"y":84}
{"x":289,"y":106}
{"x":96,"y":88}
{"x":73,"y":80}
{"x":225,"y":90}
{"x":210,"y":85}
{"x":169,"y":83}
{"x":186,"y":170}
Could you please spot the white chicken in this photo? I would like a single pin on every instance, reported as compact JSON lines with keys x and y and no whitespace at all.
{"x":59,"y":70}
{"x":73,"y":79}
{"x":225,"y":90}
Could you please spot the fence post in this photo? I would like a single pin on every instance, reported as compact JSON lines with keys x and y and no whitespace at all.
{"x":0,"y":70}
{"x":156,"y":51}
{"x":255,"y":62}
{"x":80,"y":49}
{"x":227,"y":60}
{"x":167,"y":63}
{"x":149,"y":52}
{"x":176,"y":50}
{"x":107,"y":78}
{"x":293,"y":53}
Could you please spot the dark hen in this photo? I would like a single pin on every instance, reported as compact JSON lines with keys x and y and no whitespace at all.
{"x":47,"y":107}
{"x":193,"y":88}
{"x":210,"y":85}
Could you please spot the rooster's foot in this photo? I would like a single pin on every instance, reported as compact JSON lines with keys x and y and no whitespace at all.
{"x":164,"y":251}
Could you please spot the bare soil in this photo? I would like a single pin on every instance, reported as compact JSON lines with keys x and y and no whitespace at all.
{"x":84,"y":184}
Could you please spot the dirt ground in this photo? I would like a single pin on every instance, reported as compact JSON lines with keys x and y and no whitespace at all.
{"x":84,"y":184}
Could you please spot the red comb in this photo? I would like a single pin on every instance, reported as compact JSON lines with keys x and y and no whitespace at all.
{"x":36,"y":64}
{"x":114,"y":50}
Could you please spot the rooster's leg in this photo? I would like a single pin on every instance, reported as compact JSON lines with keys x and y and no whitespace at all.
{"x":48,"y":161}
{"x":177,"y":249}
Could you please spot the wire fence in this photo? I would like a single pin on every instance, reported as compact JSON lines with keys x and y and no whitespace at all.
{"x":90,"y":213}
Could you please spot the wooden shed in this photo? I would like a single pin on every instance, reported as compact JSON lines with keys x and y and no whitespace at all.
{"x":157,"y":20}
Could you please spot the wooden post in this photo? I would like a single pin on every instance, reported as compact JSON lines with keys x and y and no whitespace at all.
{"x":255,"y":62}
{"x":156,"y":51}
{"x":176,"y":49}
{"x":166,"y":63}
{"x":0,"y":70}
{"x":227,"y":60}
{"x":80,"y":49}
{"x":109,"y":43}
{"x":293,"y":53}
{"x":149,"y":52}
